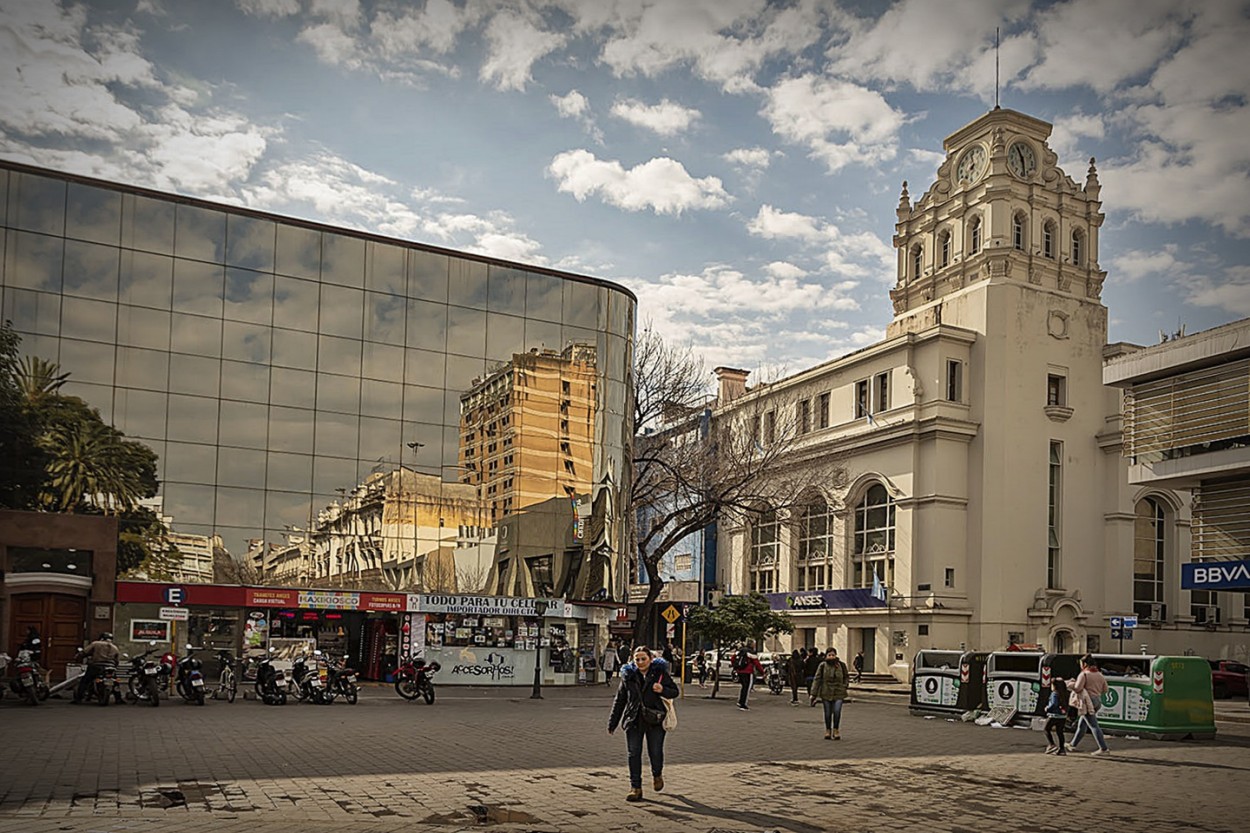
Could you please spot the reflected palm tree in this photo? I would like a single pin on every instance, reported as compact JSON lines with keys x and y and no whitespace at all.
{"x":38,"y":380}
{"x":88,"y":462}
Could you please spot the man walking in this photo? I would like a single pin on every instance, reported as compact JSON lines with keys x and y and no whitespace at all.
{"x":810,"y":664}
{"x":859,"y":666}
{"x":745,"y":664}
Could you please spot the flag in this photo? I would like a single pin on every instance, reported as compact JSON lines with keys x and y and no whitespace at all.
{"x":871,"y":421}
{"x":878,"y":589}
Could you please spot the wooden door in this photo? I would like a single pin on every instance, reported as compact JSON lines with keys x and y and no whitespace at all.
{"x":61,"y":622}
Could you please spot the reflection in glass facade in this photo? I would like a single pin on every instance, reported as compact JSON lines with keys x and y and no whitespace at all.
{"x":339,"y":408}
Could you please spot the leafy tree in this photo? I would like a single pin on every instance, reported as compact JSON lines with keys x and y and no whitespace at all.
{"x":21,"y":459}
{"x":737,"y":619}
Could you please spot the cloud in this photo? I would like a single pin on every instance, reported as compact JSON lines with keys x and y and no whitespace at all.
{"x":515,"y":44}
{"x":666,"y":118}
{"x":784,"y":271}
{"x":1231,"y":294}
{"x":268,"y":8}
{"x":853,"y":256}
{"x":571,"y":106}
{"x":1133,"y":266}
{"x":1069,"y":130}
{"x":756,"y":157}
{"x":661,"y":184}
{"x":840,"y":123}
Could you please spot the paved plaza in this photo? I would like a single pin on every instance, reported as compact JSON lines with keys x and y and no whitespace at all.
{"x":483,"y":759}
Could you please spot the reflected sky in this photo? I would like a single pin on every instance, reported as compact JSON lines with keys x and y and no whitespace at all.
{"x":274,"y":365}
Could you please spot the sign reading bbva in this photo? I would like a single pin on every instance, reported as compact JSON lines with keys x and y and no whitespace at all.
{"x":1216,"y":575}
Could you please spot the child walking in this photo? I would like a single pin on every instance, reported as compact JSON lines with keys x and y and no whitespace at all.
{"x":1056,"y":716}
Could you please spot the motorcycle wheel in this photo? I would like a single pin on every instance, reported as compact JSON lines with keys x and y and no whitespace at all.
{"x":281,"y":698}
{"x":428,"y":693}
{"x":407,"y":689}
{"x":199,"y":697}
{"x":101,"y":696}
{"x":351,"y":694}
{"x":153,"y":692}
{"x":32,"y":696}
{"x":44,"y":691}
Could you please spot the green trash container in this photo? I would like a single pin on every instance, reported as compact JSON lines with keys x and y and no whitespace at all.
{"x":948,"y":682}
{"x":1166,"y":698}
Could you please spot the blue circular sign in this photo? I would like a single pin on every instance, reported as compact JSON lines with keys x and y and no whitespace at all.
{"x":175,"y":595}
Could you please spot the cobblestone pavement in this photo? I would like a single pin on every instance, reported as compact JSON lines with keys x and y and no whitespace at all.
{"x":494,"y":760}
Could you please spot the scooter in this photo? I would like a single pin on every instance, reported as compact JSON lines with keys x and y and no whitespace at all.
{"x":413,"y":679}
{"x":271,"y":683}
{"x":105,"y":686}
{"x":28,"y":682}
{"x":189,"y":678}
{"x":776,"y":677}
{"x":343,"y":680}
{"x":310,"y":683}
{"x":145,"y":678}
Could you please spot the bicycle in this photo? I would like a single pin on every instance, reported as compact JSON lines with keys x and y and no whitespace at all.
{"x":228,"y":682}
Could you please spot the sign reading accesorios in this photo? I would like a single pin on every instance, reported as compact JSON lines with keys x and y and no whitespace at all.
{"x":1216,"y":575}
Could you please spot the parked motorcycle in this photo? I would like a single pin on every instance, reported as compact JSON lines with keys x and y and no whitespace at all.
{"x":311,"y":680}
{"x":776,"y":677}
{"x":189,"y":678}
{"x":145,"y":678}
{"x":28,"y":681}
{"x":106,"y":687}
{"x":271,"y":682}
{"x":343,"y":680}
{"x":413,"y":679}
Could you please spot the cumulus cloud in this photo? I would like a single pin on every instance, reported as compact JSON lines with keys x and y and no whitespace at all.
{"x":839,"y":122}
{"x":853,"y":255}
{"x":666,"y":118}
{"x":661,"y":185}
{"x":756,"y":157}
{"x":515,"y":44}
{"x":1135,"y":265}
{"x":268,"y":8}
{"x":571,"y":106}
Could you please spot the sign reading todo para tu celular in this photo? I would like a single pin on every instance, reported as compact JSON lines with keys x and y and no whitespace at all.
{"x":1216,"y":575}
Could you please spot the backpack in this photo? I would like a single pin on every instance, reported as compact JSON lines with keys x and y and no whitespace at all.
{"x":741,"y":662}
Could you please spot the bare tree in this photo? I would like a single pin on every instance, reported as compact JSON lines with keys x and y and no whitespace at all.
{"x":697,"y":460}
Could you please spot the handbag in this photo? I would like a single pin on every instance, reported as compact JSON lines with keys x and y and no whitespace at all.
{"x":670,"y":716}
{"x":650,"y":716}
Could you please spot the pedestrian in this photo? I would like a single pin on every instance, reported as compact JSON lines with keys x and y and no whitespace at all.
{"x":622,"y":653}
{"x":810,"y":664}
{"x":830,"y":687}
{"x":667,"y":653}
{"x":794,"y":674}
{"x":610,"y":662}
{"x":1056,"y":716}
{"x":1087,"y":691}
{"x":639,"y":709}
{"x":858,"y":662}
{"x":746,"y":665}
{"x":97,"y":656}
{"x":700,"y":668}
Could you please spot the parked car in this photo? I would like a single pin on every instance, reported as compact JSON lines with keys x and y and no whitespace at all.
{"x":723,"y":665}
{"x":1228,"y":678}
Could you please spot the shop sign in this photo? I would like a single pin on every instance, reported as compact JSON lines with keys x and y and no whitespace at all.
{"x":261,"y":597}
{"x":382,"y":601}
{"x":145,"y":630}
{"x":175,"y":614}
{"x":328,"y":600}
{"x":487,"y":605}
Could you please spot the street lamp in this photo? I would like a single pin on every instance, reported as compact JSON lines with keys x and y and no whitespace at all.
{"x":540,"y":608}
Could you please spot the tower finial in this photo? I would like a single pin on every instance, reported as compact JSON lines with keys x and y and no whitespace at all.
{"x":904,"y":203}
{"x":995,"y":67}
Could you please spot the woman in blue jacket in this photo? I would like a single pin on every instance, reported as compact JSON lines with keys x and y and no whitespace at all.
{"x":638,"y":708}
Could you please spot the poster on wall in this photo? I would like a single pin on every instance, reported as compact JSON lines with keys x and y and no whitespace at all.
{"x":255,"y":630}
{"x":146,"y":630}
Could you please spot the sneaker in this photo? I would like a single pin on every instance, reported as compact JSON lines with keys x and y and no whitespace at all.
{"x":1050,"y":750}
{"x":658,"y":783}
{"x":837,"y":735}
{"x":635,"y":794}
{"x":1101,"y":752}
{"x":1060,"y":752}
{"x":744,"y":708}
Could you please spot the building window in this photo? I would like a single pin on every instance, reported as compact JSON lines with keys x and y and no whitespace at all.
{"x":944,"y":246}
{"x":873,"y":550}
{"x":974,"y":235}
{"x":1204,"y":606}
{"x":1017,"y":231}
{"x":1048,"y":240}
{"x":765,"y":544}
{"x":815,"y":546}
{"x":756,"y":429}
{"x":882,"y":392}
{"x":770,"y":427}
{"x":923,"y":630}
{"x":1078,"y":248}
{"x":540,"y":575}
{"x":1056,"y":390}
{"x":950,"y":576}
{"x":954,"y":380}
{"x":822,"y":411}
{"x":917,"y":261}
{"x":1149,"y":550}
{"x":805,"y":416}
{"x":683,"y":562}
{"x":1054,"y":527}
{"x":861,"y":399}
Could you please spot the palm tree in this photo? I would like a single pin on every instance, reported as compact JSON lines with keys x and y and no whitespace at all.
{"x":89,"y":462}
{"x":38,"y":379}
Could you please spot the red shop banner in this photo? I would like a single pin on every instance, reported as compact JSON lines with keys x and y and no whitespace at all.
{"x":395,"y":602}
{"x":271,"y":597}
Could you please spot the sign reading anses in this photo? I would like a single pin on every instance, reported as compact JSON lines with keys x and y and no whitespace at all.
{"x":1216,"y":575}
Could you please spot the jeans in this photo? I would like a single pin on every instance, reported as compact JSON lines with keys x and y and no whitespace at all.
{"x":94,"y":671}
{"x":746,"y":681}
{"x":1056,"y":724}
{"x":1089,"y":722}
{"x":655,"y":750}
{"x":833,"y":710}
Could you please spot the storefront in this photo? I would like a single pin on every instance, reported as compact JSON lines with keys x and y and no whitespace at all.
{"x":496,"y":640}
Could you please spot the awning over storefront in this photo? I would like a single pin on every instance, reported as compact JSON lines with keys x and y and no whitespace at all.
{"x":860,"y":598}
{"x":232,"y":595}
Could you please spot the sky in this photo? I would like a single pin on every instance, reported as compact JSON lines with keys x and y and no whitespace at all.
{"x":736,"y":163}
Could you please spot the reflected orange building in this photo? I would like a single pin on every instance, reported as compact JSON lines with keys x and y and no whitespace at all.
{"x":527,"y":429}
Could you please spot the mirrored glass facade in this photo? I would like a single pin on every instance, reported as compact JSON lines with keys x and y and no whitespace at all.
{"x":340,"y":409}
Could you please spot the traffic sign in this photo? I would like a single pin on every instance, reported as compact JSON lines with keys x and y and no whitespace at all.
{"x":1116,"y":633}
{"x":1130,"y":621}
{"x":175,"y":595}
{"x":1117,"y":622}
{"x":175,"y":614}
{"x":671,"y":614}
{"x":1128,"y":633}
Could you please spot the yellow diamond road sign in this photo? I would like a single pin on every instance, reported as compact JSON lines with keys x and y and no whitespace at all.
{"x":671,"y":614}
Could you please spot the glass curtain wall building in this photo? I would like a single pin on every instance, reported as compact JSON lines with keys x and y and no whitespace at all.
{"x":339,"y":407}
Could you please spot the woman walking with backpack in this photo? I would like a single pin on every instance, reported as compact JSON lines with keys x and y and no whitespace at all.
{"x":830,"y":686}
{"x":638,"y":707}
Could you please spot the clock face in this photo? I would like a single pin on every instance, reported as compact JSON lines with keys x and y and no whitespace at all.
{"x":972,"y":164}
{"x":1020,"y":160}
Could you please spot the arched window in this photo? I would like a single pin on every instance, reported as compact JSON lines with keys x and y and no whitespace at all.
{"x":872,"y":552}
{"x":944,"y":247}
{"x":1018,"y":231}
{"x":917,"y":261}
{"x":1078,"y":247}
{"x":765,"y":546}
{"x":815,"y":546}
{"x":1048,"y":240}
{"x":1149,"y":558}
{"x":974,"y":235}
